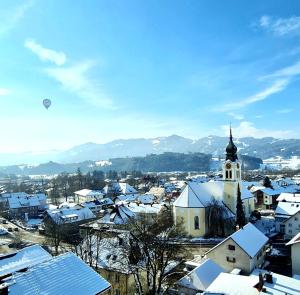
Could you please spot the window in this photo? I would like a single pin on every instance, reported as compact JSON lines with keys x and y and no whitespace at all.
{"x":290,"y":225}
{"x":231,"y":247}
{"x":230,"y":259}
{"x":227,"y":174}
{"x":290,"y":231}
{"x":296,"y":218}
{"x":196,"y":222}
{"x":230,"y":174}
{"x":117,"y":292}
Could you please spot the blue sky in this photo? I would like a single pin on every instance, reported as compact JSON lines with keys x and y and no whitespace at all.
{"x":127,"y":69}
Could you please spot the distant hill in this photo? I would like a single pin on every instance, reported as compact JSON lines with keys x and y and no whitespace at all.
{"x":165,"y":162}
{"x":215,"y":145}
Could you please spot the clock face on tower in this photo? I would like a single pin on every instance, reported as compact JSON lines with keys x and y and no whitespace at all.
{"x":228,"y":165}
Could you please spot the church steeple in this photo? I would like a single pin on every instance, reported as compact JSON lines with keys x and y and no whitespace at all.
{"x":231,"y":149}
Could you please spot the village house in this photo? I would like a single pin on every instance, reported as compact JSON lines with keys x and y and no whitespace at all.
{"x":295,"y":253}
{"x":245,"y":250}
{"x":87,"y":195}
{"x":284,"y":211}
{"x":258,"y":282}
{"x":292,"y":226}
{"x":199,"y":279}
{"x":22,"y":205}
{"x":64,"y":274}
{"x":115,"y":188}
{"x":68,"y":217}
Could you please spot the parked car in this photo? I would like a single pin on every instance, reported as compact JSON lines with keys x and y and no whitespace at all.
{"x":16,"y":229}
{"x":10,"y":229}
{"x":4,"y":221}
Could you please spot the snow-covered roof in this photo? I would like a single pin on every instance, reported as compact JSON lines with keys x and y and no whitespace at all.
{"x":128,"y":198}
{"x":202,"y":276}
{"x":119,"y":215}
{"x":88,"y":193}
{"x":281,"y":285}
{"x":119,"y":187}
{"x":249,"y":238}
{"x":64,"y":274}
{"x":231,"y":284}
{"x":70,"y":214}
{"x":26,"y":257}
{"x":146,"y":198}
{"x":199,"y":195}
{"x":286,"y":209}
{"x":294,"y":240}
{"x":144,"y":208}
{"x":19,"y":200}
{"x":289,"y":197}
{"x":113,"y":255}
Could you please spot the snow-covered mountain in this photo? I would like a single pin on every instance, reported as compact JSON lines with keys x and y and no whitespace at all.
{"x":263,"y":148}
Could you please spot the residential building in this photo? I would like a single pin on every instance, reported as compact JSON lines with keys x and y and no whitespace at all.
{"x":22,"y":205}
{"x":245,"y":249}
{"x":68,"y":217}
{"x":22,"y":260}
{"x":199,"y":279}
{"x":295,"y":253}
{"x":292,"y":225}
{"x":87,"y":195}
{"x":118,"y":188}
{"x":284,"y":211}
{"x":64,"y":274}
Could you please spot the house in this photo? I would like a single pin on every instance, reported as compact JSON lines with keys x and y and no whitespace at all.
{"x":274,"y":283}
{"x":292,"y":225}
{"x":284,"y":211}
{"x":146,"y":212}
{"x":22,"y":259}
{"x":113,"y":264}
{"x":268,"y":197}
{"x":199,"y":279}
{"x":22,"y":205}
{"x":118,"y":188}
{"x":68,"y":217}
{"x":295,"y":253}
{"x":98,"y":205}
{"x":232,"y":284}
{"x":118,"y":216}
{"x":64,"y":274}
{"x":245,"y":249}
{"x":87,"y":195}
{"x":192,"y":205}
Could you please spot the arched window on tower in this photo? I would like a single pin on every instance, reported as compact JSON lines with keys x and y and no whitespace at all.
{"x":196,"y":222}
{"x":227,"y":174}
{"x":230,"y":174}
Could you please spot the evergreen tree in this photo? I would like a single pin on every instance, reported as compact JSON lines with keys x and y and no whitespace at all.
{"x":240,"y":214}
{"x":267,"y":182}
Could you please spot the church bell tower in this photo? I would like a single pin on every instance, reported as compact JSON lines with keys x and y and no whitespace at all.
{"x":231,"y":166}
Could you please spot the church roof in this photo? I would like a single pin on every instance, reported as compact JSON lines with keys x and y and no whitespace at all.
{"x":231,"y":149}
{"x":199,"y":195}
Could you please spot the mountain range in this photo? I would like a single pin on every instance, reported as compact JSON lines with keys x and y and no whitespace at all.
{"x":215,"y":145}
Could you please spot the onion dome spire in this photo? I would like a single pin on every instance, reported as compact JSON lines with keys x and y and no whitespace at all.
{"x":231,"y":149}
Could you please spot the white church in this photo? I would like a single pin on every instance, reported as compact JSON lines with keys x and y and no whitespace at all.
{"x":192,"y":205}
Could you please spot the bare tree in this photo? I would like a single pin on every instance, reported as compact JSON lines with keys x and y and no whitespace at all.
{"x":218,"y":218}
{"x":151,"y":249}
{"x":54,"y":231}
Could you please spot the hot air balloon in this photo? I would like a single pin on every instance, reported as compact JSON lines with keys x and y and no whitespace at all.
{"x":47,"y":103}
